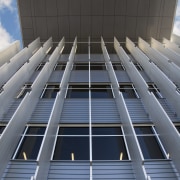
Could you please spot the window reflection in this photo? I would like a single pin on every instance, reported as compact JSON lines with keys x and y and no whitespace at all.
{"x":128,"y":91}
{"x":71,"y":148}
{"x":30,"y":143}
{"x":149,"y":143}
{"x":109,"y":148}
{"x":50,"y":91}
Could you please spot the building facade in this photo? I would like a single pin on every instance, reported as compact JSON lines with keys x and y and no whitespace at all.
{"x":90,"y":109}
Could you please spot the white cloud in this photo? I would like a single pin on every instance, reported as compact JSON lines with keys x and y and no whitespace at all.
{"x":6,"y":4}
{"x":5,"y":37}
{"x":178,"y":9}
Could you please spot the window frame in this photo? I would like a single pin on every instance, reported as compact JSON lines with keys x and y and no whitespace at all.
{"x":3,"y":126}
{"x":156,"y":136}
{"x":98,"y":64}
{"x":118,"y":64}
{"x":157,"y":92}
{"x":138,"y":66}
{"x":91,"y":136}
{"x":40,"y":66}
{"x":56,"y":139}
{"x":80,"y":64}
{"x":89,"y":90}
{"x":132,"y":88}
{"x":24,"y":89}
{"x":62,"y":65}
{"x":23,"y":135}
{"x":46,"y":88}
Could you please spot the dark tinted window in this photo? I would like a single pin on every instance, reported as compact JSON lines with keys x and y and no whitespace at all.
{"x":128,"y":91}
{"x":109,"y":148}
{"x":153,"y":88}
{"x":78,"y":91}
{"x":143,"y":130}
{"x":2,"y":129}
{"x":178,"y":128}
{"x":51,"y":91}
{"x":150,"y":147}
{"x":98,"y":66}
{"x":40,"y":66}
{"x":101,"y":91}
{"x":118,"y":66}
{"x":81,"y":66}
{"x":36,"y":130}
{"x":73,"y":131}
{"x":60,"y":66}
{"x":106,"y":131}
{"x":26,"y":88}
{"x":29,"y":148}
{"x":71,"y":148}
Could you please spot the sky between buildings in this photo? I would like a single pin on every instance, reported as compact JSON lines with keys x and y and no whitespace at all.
{"x":10,"y":28}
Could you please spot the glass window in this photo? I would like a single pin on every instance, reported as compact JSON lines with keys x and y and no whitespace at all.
{"x":71,"y":148}
{"x":78,"y":91}
{"x":128,"y":91}
{"x":106,"y":131}
{"x":97,"y":66}
{"x":36,"y":130}
{"x":81,"y":66}
{"x":153,"y":88}
{"x":40,"y":66}
{"x":118,"y":66}
{"x":2,"y":129}
{"x":73,"y":131}
{"x":30,"y":143}
{"x":29,"y":148}
{"x":108,"y":144}
{"x":109,"y":148}
{"x":138,"y":66}
{"x":26,"y":88}
{"x":149,"y":143}
{"x":101,"y":91}
{"x":178,"y":128}
{"x":1,"y":89}
{"x":50,"y":91}
{"x":60,"y":66}
{"x":82,"y":91}
{"x":72,"y":144}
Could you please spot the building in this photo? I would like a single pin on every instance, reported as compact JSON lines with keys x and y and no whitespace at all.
{"x":99,"y":99}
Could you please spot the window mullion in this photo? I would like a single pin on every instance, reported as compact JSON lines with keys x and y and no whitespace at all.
{"x":20,"y":142}
{"x":54,"y":146}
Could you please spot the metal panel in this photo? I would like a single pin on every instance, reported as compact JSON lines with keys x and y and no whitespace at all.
{"x":9,"y":69}
{"x":69,"y":170}
{"x":104,"y":111}
{"x":136,"y":111}
{"x":99,"y":76}
{"x":169,"y":110}
{"x":79,"y":76}
{"x":112,"y":170}
{"x":14,"y":170}
{"x":34,"y":76}
{"x":42,"y":111}
{"x":7,"y":116}
{"x":168,"y":67}
{"x":122,"y":76}
{"x":56,"y":76}
{"x":75,"y":111}
{"x":160,"y":170}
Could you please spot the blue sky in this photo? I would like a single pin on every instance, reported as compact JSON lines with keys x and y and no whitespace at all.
{"x":10,"y":29}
